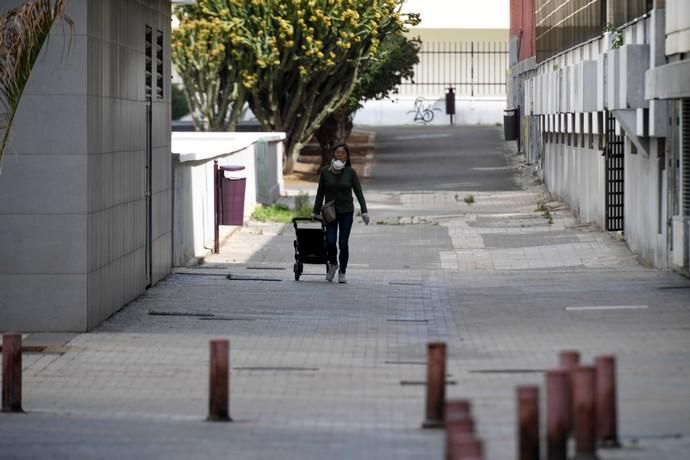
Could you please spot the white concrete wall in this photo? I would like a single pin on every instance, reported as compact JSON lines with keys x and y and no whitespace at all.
{"x":595,"y":77}
{"x":117,"y":236}
{"x":677,"y":26}
{"x":194,"y":155}
{"x":72,"y":214}
{"x":645,"y":203}
{"x":576,"y":176}
{"x":43,"y":224}
{"x":401,"y":111}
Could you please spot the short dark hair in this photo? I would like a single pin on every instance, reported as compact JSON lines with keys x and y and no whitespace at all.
{"x":347,"y":151}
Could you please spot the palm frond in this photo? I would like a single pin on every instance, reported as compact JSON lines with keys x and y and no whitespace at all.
{"x":23,"y":31}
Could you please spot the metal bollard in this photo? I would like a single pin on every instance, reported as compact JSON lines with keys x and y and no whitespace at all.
{"x":606,"y":410}
{"x":465,"y":447}
{"x":584,"y":415}
{"x":219,"y":381}
{"x":459,"y":428}
{"x":458,"y":408}
{"x":569,"y":360}
{"x":435,"y":385}
{"x":528,"y":422}
{"x":557,"y":415}
{"x":12,"y":373}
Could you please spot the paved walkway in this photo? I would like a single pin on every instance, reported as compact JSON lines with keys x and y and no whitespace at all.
{"x":322,"y":370}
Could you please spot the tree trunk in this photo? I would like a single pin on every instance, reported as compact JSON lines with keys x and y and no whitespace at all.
{"x":335,"y":130}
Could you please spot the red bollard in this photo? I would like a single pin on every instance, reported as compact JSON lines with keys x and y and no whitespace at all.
{"x":584,"y":415}
{"x":463,"y":446}
{"x":219,"y":381}
{"x":458,"y":408}
{"x":606,"y":411}
{"x":459,"y":427}
{"x":569,"y":360}
{"x":528,"y":422}
{"x":557,"y":414}
{"x":12,"y":373}
{"x":435,"y":385}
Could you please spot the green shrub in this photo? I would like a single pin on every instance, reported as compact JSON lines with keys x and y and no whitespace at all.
{"x":282,"y":213}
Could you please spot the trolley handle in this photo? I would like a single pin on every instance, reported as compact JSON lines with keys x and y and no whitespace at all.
{"x":306,"y":219}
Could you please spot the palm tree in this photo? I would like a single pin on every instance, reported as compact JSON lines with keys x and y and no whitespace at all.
{"x":23,"y":31}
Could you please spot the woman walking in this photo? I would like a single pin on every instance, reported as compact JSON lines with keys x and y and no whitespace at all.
{"x":336,"y":183}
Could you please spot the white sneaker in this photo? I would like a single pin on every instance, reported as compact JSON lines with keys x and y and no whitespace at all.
{"x":331,"y":272}
{"x":341,"y":278}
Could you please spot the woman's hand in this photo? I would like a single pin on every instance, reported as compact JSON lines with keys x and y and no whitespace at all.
{"x":365,"y":218}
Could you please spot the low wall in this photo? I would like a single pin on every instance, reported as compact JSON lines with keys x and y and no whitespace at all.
{"x":261,"y":155}
{"x":404,"y":111}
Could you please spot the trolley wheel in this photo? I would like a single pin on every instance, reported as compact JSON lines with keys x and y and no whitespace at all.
{"x":297,"y":268}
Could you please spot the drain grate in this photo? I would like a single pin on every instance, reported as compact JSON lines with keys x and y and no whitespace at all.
{"x":403,"y":320}
{"x":419,"y":363}
{"x":265,"y":268}
{"x":225,"y":318}
{"x":606,"y":307}
{"x":45,"y":349}
{"x":408,"y":297}
{"x":189,"y":314}
{"x":232,"y":277}
{"x":507,"y":371}
{"x":423,"y":382}
{"x":277,"y":368}
{"x":405,"y":283}
{"x":674,"y":287}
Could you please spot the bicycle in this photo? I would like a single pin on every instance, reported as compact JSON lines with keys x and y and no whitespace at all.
{"x":422,"y":113}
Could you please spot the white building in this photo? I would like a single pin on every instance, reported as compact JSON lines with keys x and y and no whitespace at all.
{"x":85,"y":190}
{"x":606,"y":118}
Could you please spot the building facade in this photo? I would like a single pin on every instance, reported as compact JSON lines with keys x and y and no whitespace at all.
{"x":85,"y":190}
{"x":603,"y":102}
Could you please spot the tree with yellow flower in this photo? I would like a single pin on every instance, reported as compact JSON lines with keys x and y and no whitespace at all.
{"x":379,"y":78}
{"x":295,"y":61}
{"x":203,"y":56}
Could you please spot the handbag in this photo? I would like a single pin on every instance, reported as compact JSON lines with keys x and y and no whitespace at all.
{"x":328,"y":212}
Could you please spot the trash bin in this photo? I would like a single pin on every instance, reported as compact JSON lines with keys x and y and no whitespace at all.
{"x":510,"y":124}
{"x":450,"y":101}
{"x":232,"y":188}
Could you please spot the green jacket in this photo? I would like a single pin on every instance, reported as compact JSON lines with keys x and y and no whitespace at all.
{"x":339,"y":187}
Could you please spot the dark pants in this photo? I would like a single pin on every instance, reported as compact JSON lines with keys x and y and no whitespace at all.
{"x":344,"y":221}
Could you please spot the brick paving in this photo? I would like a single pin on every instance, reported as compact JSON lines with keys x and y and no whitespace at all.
{"x":322,"y":370}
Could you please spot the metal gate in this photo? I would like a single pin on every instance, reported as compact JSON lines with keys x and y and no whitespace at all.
{"x":685,"y":161}
{"x":471,"y":68}
{"x":615,"y":174}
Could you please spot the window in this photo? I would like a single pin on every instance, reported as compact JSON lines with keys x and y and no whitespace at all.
{"x":562,"y":24}
{"x":159,"y":64}
{"x":149,"y":61}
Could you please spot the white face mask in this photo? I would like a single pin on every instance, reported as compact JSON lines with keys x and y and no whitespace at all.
{"x":337,"y":164}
